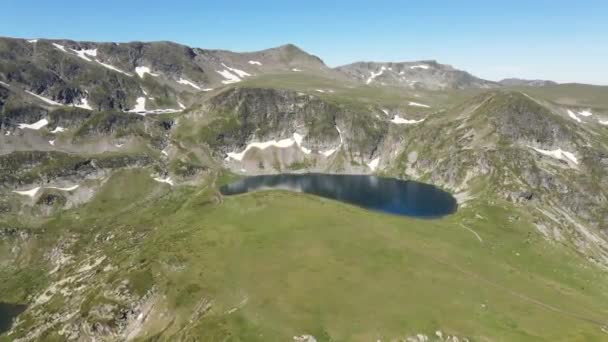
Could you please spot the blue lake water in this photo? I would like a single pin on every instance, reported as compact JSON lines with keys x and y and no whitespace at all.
{"x":389,"y":195}
{"x":7,"y":313}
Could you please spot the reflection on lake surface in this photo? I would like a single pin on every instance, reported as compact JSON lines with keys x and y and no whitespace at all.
{"x":388,"y":195}
{"x":7,"y":313}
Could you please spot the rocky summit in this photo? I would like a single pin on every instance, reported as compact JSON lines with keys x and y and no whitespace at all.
{"x":113,"y":226}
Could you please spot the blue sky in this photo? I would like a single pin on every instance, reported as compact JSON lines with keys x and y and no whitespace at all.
{"x":566,"y":41}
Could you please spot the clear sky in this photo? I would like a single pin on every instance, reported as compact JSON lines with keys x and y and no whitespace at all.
{"x":566,"y":41}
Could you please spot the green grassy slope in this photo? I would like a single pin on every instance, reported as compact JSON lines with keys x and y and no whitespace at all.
{"x":278,"y":264}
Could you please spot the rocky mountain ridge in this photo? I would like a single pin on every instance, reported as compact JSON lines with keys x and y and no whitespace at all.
{"x":101,"y":192}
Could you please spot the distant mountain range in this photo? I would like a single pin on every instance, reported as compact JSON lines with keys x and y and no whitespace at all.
{"x":151,"y":76}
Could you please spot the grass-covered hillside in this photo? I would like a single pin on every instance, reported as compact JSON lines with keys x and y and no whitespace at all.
{"x":183,"y":263}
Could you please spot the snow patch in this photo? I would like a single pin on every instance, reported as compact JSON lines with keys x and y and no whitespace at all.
{"x":419,"y":66}
{"x":254,"y":63}
{"x":557,"y":154}
{"x":164,"y":180}
{"x":573,"y":116}
{"x":190,"y":83}
{"x":58,"y":129}
{"x":416,"y":104}
{"x":603,"y":122}
{"x":181,"y":105}
{"x":373,"y":75}
{"x":207,"y":89}
{"x":240,"y":73}
{"x":296,"y":70}
{"x":111,"y":67}
{"x":140,"y":107}
{"x":70,"y":188}
{"x":143,"y":70}
{"x":385,"y":111}
{"x":399,"y":121}
{"x":59,"y":47}
{"x":304,"y":338}
{"x":320,"y":90}
{"x":374,"y":164}
{"x":4,"y":84}
{"x":84,"y":103}
{"x":86,"y":52}
{"x":47,"y":100}
{"x":340,"y":134}
{"x":32,"y":41}
{"x":35,"y":126}
{"x":283,"y":143}
{"x":329,"y":152}
{"x":229,"y":77}
{"x":585,"y":113}
{"x":31,"y":193}
{"x":52,"y":142}
{"x":298,"y":139}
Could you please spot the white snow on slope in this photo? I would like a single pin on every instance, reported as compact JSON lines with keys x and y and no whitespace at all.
{"x":385,"y":112}
{"x":283,"y":143}
{"x":298,"y":139}
{"x":111,"y":67}
{"x":70,"y":188}
{"x":58,"y":129}
{"x":240,"y":73}
{"x":585,"y":113}
{"x":160,"y":111}
{"x":207,"y":89}
{"x":320,"y":90}
{"x":142,"y":70}
{"x":603,"y":122}
{"x":340,"y":134}
{"x":186,"y":82}
{"x":181,"y":105}
{"x":84,"y":103}
{"x":31,"y":193}
{"x":52,"y":142}
{"x":416,"y":104}
{"x":47,"y":100}
{"x":229,"y":77}
{"x":164,"y":180}
{"x":373,"y":75}
{"x":419,"y":66}
{"x":59,"y":47}
{"x":32,"y":41}
{"x":255,"y":63}
{"x":374,"y":163}
{"x":329,"y":152}
{"x":399,"y":120}
{"x":573,"y":116}
{"x":296,"y":70}
{"x":557,"y":154}
{"x":4,"y":84}
{"x":86,"y":52}
{"x":140,"y":107}
{"x":35,"y":126}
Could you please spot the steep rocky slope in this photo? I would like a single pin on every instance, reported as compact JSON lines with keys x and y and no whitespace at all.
{"x":133,"y":76}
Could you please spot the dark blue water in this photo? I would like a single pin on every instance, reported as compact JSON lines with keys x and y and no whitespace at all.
{"x":7,"y":313}
{"x":389,"y":195}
